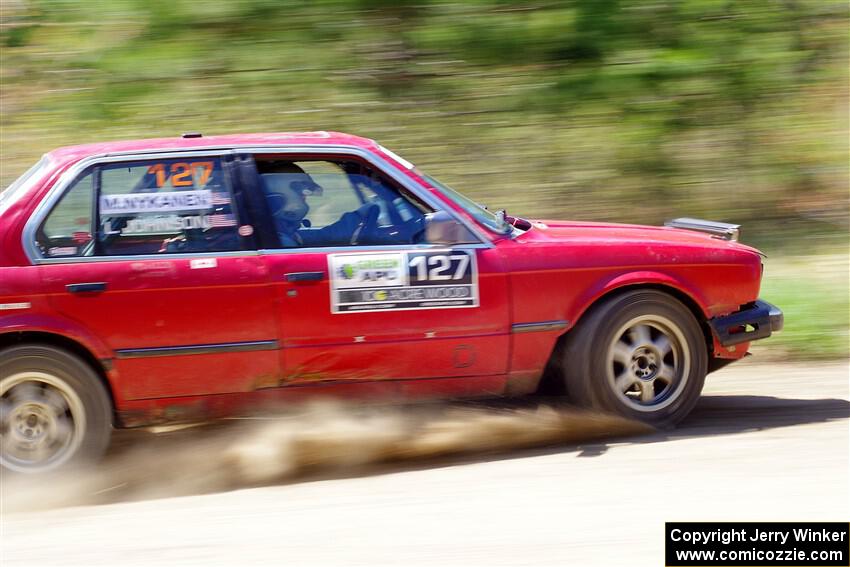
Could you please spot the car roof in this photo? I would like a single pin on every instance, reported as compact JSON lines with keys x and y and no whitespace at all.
{"x":74,"y":153}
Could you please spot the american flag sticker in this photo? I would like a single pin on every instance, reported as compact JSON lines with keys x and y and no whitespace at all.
{"x":220,"y":199}
{"x":220,"y":221}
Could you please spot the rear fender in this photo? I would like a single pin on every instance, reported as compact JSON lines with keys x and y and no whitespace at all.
{"x":66,"y":328}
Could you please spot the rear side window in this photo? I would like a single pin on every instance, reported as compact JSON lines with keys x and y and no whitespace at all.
{"x":67,"y":231}
{"x":166,"y":206}
{"x":144,"y":207}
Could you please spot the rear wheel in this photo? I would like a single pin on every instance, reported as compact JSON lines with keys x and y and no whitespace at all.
{"x":640,"y":354}
{"x":54,"y":410}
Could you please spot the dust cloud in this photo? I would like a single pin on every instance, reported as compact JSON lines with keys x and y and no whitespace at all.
{"x":321,"y":440}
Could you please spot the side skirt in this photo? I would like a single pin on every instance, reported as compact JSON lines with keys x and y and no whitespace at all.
{"x":156,"y":411}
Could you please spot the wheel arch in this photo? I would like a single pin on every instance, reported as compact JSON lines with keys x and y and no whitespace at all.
{"x":551,"y":383}
{"x":686,"y":294}
{"x":678,"y":293}
{"x":101,"y":367}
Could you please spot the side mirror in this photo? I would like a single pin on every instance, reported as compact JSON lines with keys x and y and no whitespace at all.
{"x":442,"y":228}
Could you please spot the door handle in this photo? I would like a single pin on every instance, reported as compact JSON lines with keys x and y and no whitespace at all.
{"x":86,"y":287}
{"x":304,"y":276}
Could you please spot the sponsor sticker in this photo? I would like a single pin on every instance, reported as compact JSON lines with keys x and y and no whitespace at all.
{"x":12,"y":306}
{"x":62,"y":251}
{"x":393,"y":281}
{"x":201,"y":263}
{"x":160,"y":202}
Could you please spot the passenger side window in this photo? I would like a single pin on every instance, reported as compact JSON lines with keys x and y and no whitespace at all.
{"x":159,"y":206}
{"x":322,"y":203}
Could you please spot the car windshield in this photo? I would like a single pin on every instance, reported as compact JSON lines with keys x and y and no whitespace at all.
{"x":479,"y":213}
{"x":493,"y":221}
{"x":24,"y":182}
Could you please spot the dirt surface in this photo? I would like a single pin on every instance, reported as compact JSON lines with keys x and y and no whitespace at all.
{"x":448,"y":485}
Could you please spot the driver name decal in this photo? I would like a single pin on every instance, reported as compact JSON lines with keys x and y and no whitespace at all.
{"x":165,"y":224}
{"x":392,"y":281}
{"x":156,"y":202}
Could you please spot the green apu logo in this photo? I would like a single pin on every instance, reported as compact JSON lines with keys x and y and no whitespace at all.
{"x":376,"y":269}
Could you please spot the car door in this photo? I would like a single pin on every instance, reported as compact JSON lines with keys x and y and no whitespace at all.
{"x":387,"y":305}
{"x":155,"y":257}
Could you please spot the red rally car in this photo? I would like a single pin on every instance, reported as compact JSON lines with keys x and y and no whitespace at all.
{"x":194,"y":277}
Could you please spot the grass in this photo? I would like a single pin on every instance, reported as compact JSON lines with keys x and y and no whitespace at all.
{"x":812,"y":292}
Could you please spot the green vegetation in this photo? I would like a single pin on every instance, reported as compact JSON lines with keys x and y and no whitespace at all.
{"x":618,"y":110}
{"x":812,"y":291}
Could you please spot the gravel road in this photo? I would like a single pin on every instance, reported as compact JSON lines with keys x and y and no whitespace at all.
{"x":767,"y":442}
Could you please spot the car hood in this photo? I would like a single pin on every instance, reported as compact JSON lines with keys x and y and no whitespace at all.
{"x":614,"y":233}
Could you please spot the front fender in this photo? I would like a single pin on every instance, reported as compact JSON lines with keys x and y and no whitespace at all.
{"x":662,"y":280}
{"x":613,"y":282}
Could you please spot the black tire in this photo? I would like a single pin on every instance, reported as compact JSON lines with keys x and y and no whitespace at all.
{"x":56,"y":413}
{"x":616,"y":358}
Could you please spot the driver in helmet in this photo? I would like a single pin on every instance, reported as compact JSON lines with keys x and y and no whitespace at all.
{"x":286,"y":187}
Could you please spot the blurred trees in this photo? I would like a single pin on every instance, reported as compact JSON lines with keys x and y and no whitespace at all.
{"x":620,"y":110}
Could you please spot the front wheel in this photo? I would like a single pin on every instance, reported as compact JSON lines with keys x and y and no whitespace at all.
{"x":54,"y":410}
{"x":640,"y":354}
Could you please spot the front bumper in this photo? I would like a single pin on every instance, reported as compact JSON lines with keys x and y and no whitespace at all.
{"x":758,"y":320}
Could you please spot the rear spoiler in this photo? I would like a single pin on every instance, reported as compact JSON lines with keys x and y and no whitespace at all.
{"x":722,"y":230}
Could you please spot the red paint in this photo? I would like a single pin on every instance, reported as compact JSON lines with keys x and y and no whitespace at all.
{"x":319,"y":345}
{"x":553,"y":272}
